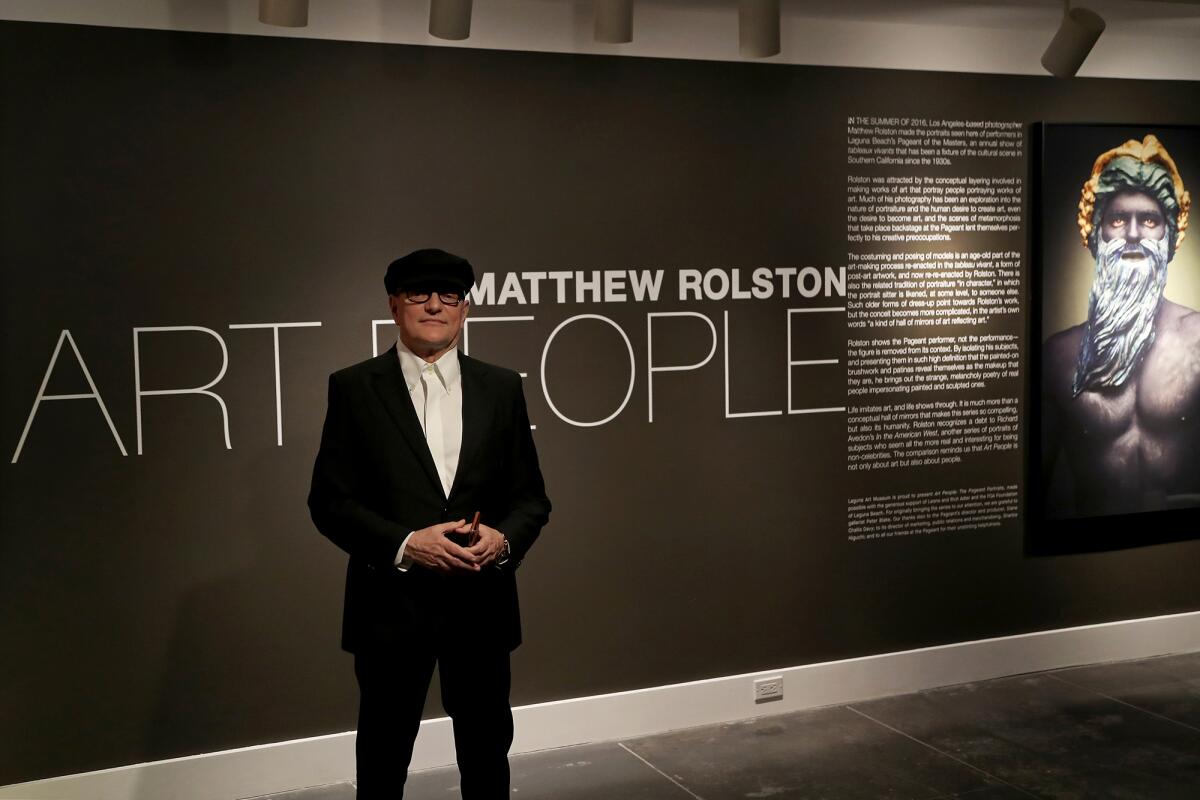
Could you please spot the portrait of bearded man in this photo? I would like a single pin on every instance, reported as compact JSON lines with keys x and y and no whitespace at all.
{"x":1120,"y":402}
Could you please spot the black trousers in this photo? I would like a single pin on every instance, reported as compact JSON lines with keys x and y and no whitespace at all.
{"x":475,"y":681}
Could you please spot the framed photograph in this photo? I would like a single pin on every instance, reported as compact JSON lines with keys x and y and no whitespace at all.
{"x":1115,"y":353}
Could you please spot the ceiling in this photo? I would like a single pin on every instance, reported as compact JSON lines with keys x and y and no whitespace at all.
{"x":1157,"y":39}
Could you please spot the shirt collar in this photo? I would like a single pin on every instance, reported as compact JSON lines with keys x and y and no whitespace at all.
{"x":446,"y":367}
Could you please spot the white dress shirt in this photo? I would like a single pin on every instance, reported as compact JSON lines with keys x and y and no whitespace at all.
{"x":435,"y":390}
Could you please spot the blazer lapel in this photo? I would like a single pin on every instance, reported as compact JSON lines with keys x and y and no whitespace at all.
{"x":474,"y":417}
{"x":393,"y":391}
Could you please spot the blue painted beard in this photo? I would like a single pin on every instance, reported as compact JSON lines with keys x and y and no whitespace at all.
{"x":1126,"y":293}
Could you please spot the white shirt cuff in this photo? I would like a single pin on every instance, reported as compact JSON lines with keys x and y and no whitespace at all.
{"x":403,"y":562}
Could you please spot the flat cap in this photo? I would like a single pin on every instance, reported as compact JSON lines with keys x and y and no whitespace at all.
{"x":429,"y":267}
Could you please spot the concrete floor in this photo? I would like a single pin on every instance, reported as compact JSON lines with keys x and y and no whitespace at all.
{"x":1125,"y":730}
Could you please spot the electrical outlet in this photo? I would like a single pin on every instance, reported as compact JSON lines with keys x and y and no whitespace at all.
{"x":768,"y":689}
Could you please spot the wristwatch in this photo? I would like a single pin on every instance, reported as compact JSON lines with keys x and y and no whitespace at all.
{"x":505,"y":553}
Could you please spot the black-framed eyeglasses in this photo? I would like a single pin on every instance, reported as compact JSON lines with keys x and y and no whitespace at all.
{"x":448,"y":298}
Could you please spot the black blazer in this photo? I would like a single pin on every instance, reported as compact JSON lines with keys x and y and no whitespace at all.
{"x":374,"y":481}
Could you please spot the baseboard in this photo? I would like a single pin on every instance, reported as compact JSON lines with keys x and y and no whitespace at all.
{"x":278,"y":767}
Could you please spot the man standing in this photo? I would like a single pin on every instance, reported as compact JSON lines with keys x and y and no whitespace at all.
{"x":415,"y":442}
{"x":1121,"y":391}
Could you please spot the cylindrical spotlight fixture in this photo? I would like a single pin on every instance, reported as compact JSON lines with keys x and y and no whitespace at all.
{"x":450,"y":19}
{"x":758,"y":28}
{"x":285,"y":13}
{"x":1076,"y":36}
{"x":614,"y":21}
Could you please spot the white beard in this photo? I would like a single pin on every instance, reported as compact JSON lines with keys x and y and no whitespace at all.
{"x":1126,"y":294}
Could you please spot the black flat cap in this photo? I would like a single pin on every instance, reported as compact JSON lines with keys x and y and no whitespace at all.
{"x":429,"y":267}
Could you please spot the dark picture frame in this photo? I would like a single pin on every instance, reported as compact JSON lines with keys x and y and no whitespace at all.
{"x":1060,"y":282}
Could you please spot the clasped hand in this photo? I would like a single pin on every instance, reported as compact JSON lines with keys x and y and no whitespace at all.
{"x":430,"y":548}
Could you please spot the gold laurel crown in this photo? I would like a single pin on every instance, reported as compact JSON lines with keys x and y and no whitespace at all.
{"x":1149,"y":151}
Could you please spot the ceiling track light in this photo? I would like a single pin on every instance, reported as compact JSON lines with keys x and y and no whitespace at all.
{"x":758,"y":28}
{"x":450,"y":19}
{"x":614,"y":21}
{"x":1076,"y":36}
{"x":284,"y":13}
